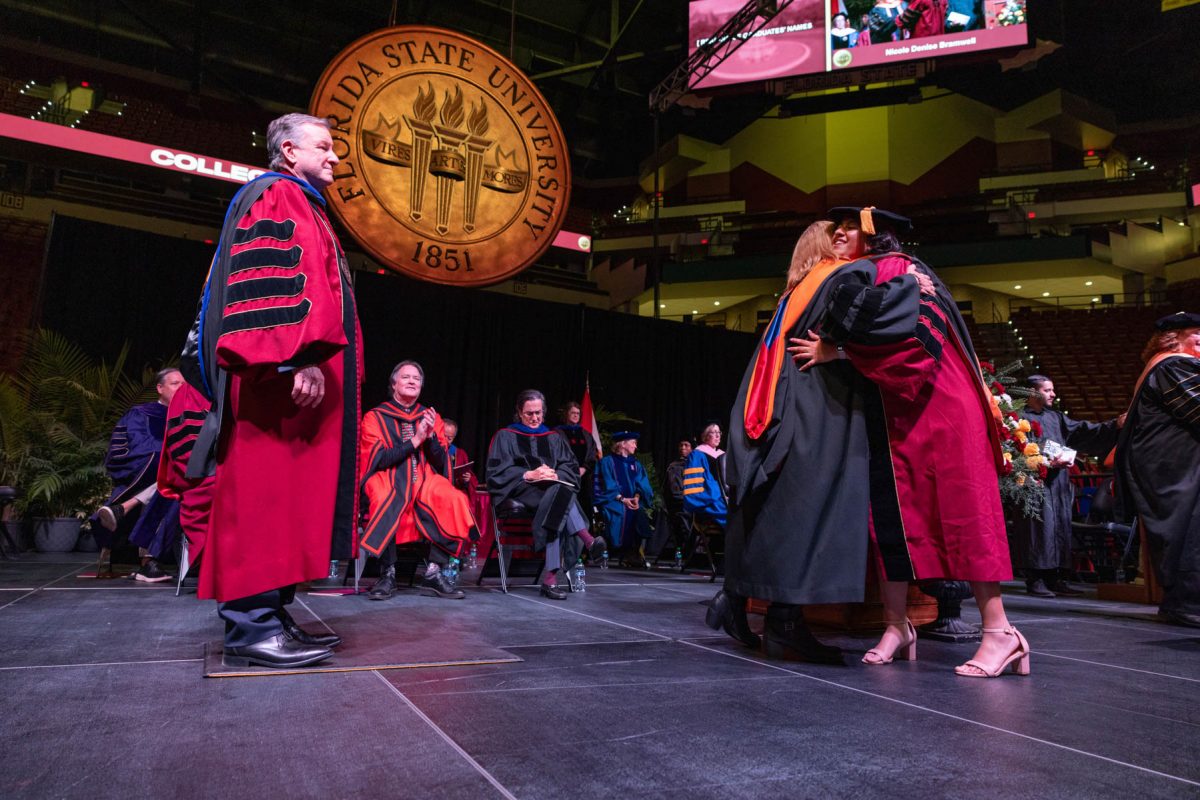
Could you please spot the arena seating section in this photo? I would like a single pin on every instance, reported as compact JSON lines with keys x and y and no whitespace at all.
{"x":158,"y":115}
{"x":1094,"y":355}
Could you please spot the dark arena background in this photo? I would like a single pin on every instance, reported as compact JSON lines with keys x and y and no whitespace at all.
{"x":1048,"y":155}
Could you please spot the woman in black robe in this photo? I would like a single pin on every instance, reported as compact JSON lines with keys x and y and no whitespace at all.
{"x":1158,"y":463}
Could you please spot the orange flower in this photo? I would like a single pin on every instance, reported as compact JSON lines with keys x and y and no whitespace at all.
{"x":1033,"y":461}
{"x":1020,"y":437}
{"x":1031,"y":449}
{"x":1023,"y":426}
{"x":1007,"y":456}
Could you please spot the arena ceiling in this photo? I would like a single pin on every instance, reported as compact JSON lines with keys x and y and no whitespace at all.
{"x":595,"y":60}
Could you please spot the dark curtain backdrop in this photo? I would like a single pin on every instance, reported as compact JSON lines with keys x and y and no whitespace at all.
{"x":106,"y":284}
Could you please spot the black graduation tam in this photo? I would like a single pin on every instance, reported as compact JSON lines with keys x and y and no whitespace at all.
{"x":621,"y":436}
{"x":869,"y":216}
{"x":1178,"y":320}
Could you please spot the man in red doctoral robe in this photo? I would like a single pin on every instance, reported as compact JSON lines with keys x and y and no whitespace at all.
{"x":405,"y":476}
{"x":276,"y":348}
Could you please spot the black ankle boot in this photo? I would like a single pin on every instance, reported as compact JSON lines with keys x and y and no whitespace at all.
{"x":385,"y":587}
{"x":786,"y":636}
{"x":727,"y":612}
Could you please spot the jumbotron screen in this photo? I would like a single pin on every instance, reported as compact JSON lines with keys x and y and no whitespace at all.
{"x":811,"y":36}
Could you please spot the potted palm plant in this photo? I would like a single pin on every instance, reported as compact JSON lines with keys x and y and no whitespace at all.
{"x":56,"y":414}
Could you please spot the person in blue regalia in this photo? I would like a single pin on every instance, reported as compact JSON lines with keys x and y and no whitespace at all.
{"x":624,"y":497}
{"x":704,"y":478}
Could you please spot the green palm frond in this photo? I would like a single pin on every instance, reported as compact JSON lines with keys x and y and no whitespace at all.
{"x":56,"y":414}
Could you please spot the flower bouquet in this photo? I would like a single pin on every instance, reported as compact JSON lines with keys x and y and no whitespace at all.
{"x":1013,"y":13}
{"x":1022,"y":479}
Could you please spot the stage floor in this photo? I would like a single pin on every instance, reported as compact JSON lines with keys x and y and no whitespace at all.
{"x":620,"y":692}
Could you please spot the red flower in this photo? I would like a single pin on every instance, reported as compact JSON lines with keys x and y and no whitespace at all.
{"x":1008,"y":467}
{"x":987,"y":366}
{"x":1042,"y":471}
{"x":1010,"y":414}
{"x":1035,"y":427}
{"x":997,"y":388}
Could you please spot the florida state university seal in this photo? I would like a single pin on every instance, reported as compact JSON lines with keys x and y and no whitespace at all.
{"x":453,"y":167}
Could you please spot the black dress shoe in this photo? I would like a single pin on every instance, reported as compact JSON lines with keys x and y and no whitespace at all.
{"x":385,"y":587}
{"x":294,"y":631}
{"x":727,"y":612}
{"x":553,"y":592}
{"x":1038,"y":588}
{"x":1179,"y":618}
{"x":280,"y":651}
{"x":786,"y":636}
{"x":1065,"y":589}
{"x":436,"y":585}
{"x":110,"y":516}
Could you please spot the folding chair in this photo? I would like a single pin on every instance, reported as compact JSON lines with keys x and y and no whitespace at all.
{"x":1104,"y":544}
{"x":512,"y":533}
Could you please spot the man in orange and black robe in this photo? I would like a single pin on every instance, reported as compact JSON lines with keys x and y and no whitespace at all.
{"x":410,"y":496}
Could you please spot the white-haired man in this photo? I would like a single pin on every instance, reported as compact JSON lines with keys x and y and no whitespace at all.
{"x":276,"y":348}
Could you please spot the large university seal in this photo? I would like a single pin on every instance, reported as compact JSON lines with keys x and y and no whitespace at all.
{"x":453,"y":167}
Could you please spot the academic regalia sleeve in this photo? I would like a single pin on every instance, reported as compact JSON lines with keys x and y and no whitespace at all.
{"x":1178,"y":381}
{"x":701,"y":489}
{"x":505,"y":469}
{"x":185,"y":417}
{"x":642,"y":482}
{"x":564,"y":460}
{"x":435,"y":447}
{"x":131,"y":447}
{"x":1093,"y":438}
{"x":862,"y":313}
{"x":375,"y":451}
{"x":606,"y":487}
{"x":880,"y":23}
{"x":283,"y":304}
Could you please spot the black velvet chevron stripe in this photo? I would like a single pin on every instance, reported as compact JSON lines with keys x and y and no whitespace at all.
{"x":265,"y":317}
{"x":187,"y":416}
{"x":265,"y":229}
{"x":886,"y":517}
{"x":182,"y":451}
{"x":176,"y":436}
{"x":929,"y":342}
{"x":931,"y":331}
{"x":853,"y":310}
{"x":259,"y":257}
{"x":263,"y":288}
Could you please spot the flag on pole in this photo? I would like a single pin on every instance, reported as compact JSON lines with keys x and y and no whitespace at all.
{"x":588,"y":418}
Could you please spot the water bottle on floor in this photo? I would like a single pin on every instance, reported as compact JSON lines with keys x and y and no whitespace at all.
{"x":473,"y":557}
{"x":679,"y":559}
{"x":451,"y":572}
{"x":333,"y":570}
{"x":578,"y":577}
{"x":604,"y":560}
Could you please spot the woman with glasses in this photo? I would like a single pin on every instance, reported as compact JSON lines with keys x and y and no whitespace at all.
{"x":533,"y":465}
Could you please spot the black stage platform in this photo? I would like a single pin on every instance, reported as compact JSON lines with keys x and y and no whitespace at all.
{"x":620,"y":692}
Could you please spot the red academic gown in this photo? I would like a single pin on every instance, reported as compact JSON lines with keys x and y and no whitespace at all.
{"x":284,"y":489}
{"x":481,"y":503}
{"x":945,"y":451}
{"x":185,"y":416}
{"x":409,"y":494}
{"x":925,"y":18}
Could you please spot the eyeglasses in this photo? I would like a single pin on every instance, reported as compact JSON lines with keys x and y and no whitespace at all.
{"x":533,"y":413}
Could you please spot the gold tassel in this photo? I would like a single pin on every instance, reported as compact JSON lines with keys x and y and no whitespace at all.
{"x":865,"y":221}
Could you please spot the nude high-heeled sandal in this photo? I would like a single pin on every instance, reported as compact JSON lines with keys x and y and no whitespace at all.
{"x":906,"y":651}
{"x":1018,"y":658}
